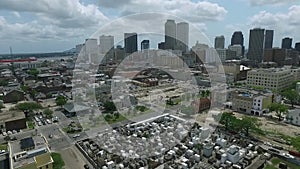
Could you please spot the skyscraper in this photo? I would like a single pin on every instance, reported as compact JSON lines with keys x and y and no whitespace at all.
{"x":182,"y":39}
{"x":286,"y":43}
{"x":219,"y":42}
{"x":170,"y":34}
{"x":269,"y":39}
{"x":130,"y":40}
{"x":256,"y":45}
{"x":106,"y":43}
{"x":145,"y":44}
{"x":161,"y":45}
{"x":297,"y":46}
{"x":238,"y":39}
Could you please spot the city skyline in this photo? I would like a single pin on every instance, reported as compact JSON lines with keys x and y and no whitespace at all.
{"x":47,"y":27}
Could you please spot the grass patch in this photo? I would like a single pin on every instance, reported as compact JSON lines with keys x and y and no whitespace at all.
{"x":275,"y":162}
{"x":141,"y":108}
{"x":110,"y":119}
{"x":3,"y":146}
{"x":30,"y":124}
{"x":58,"y":161}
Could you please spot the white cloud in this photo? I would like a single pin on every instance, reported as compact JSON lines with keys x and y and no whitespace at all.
{"x":270,"y":2}
{"x":66,"y":13}
{"x":33,"y":31}
{"x":186,"y":9}
{"x":284,"y":24}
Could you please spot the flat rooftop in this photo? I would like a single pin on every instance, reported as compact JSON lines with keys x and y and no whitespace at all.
{"x":28,"y":156}
{"x":11,"y":116}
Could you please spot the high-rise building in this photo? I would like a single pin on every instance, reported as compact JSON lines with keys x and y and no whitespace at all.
{"x":238,"y":50}
{"x":286,"y":43}
{"x":130,"y":40}
{"x":238,"y":39}
{"x":106,"y":43}
{"x":275,"y":55}
{"x":256,"y":45}
{"x":219,"y":42}
{"x":182,"y":36}
{"x":145,"y":44}
{"x":170,"y":34}
{"x":161,"y":45}
{"x":297,"y":46}
{"x":269,"y":39}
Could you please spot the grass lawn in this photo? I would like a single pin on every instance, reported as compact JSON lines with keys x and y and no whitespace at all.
{"x":116,"y":120}
{"x":58,"y":161}
{"x":30,"y":124}
{"x":275,"y":161}
{"x":3,"y":146}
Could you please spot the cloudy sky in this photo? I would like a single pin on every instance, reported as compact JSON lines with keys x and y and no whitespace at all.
{"x":58,"y":25}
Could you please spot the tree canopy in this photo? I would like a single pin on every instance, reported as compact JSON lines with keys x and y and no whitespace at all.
{"x":232,"y":123}
{"x":61,"y":100}
{"x":279,"y":109}
{"x":28,"y":106}
{"x":292,"y":95}
{"x":109,"y":106}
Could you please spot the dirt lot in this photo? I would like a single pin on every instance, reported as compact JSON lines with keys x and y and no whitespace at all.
{"x":267,"y":124}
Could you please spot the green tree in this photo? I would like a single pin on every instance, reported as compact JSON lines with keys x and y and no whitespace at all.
{"x":292,"y":95}
{"x":61,"y":100}
{"x":109,"y":106}
{"x":279,"y":109}
{"x":207,"y":93}
{"x":48,"y":113}
{"x":34,"y":72}
{"x":248,"y":123}
{"x":3,"y":82}
{"x":28,"y":106}
{"x":228,"y":120}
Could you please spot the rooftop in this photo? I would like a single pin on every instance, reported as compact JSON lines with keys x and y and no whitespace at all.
{"x":11,"y":116}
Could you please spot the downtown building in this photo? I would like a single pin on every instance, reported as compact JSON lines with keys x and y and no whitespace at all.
{"x":176,"y":36}
{"x":238,"y":39}
{"x":275,"y":79}
{"x":219,"y":42}
{"x":170,"y":34}
{"x":286,"y":43}
{"x":130,"y":43}
{"x":256,"y":45}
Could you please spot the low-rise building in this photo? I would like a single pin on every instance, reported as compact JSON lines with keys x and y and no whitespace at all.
{"x":251,"y":102}
{"x":293,"y":117}
{"x":30,"y":153}
{"x":12,"y":120}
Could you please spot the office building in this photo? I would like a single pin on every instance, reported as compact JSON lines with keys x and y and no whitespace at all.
{"x":170,"y":34}
{"x":182,"y":40}
{"x":269,"y":39}
{"x":161,"y":45}
{"x":238,"y":49}
{"x":145,"y":44}
{"x":238,"y":39}
{"x":297,"y":46}
{"x":275,"y":79}
{"x":219,"y":42}
{"x":286,"y":43}
{"x":106,"y":43}
{"x":256,"y":45}
{"x":130,"y":40}
{"x":226,"y":54}
{"x":276,"y":55}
